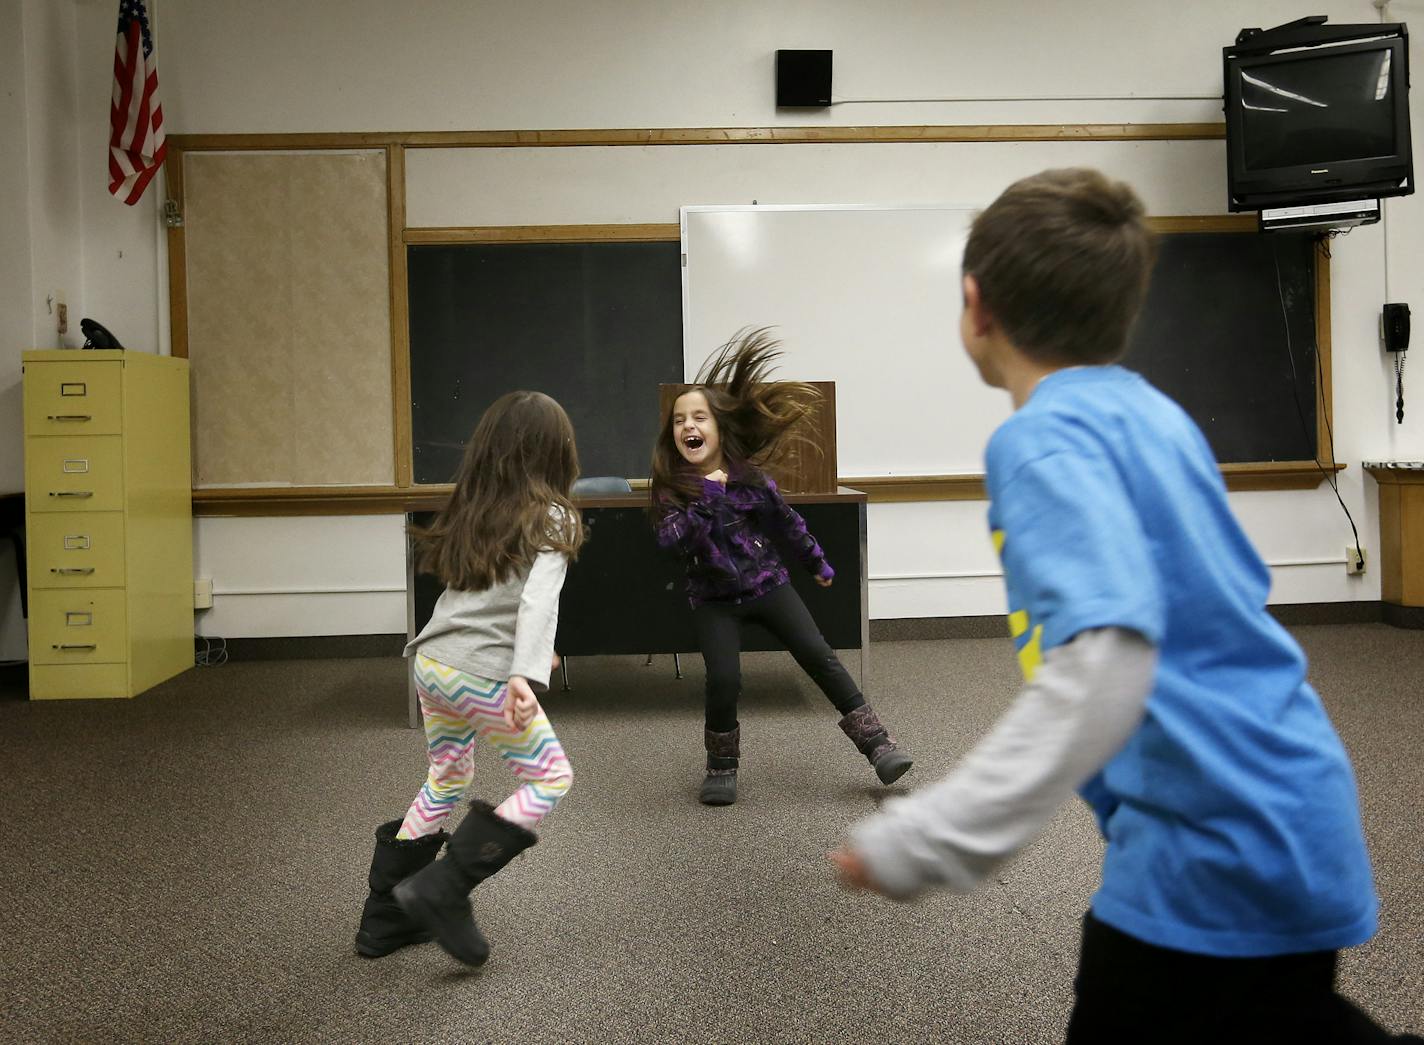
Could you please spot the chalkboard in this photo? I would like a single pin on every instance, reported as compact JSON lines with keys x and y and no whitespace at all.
{"x":598,"y":326}
{"x":1213,"y":336}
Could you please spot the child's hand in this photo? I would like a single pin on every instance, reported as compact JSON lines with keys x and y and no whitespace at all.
{"x":554,"y":665}
{"x":824,"y":582}
{"x":851,"y":871}
{"x":719,"y":476}
{"x":520,"y":704}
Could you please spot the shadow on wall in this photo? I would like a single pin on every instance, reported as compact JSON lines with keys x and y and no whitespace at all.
{"x":12,"y":480}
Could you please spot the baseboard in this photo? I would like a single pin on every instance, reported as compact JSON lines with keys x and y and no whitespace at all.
{"x":902,"y":629}
{"x":315,"y":647}
{"x":1403,"y":616}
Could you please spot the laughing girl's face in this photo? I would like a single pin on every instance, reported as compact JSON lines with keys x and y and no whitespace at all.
{"x":694,"y":430}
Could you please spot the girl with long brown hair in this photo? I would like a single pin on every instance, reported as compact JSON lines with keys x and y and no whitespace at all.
{"x":501,"y":545}
{"x":713,"y":502}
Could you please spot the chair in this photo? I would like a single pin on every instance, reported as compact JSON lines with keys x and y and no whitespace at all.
{"x":594,"y":486}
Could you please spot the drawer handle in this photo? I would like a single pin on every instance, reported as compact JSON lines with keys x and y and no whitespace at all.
{"x":71,"y":493}
{"x":71,"y":417}
{"x":75,"y":645}
{"x":76,"y":542}
{"x":73,"y":388}
{"x":73,"y":571}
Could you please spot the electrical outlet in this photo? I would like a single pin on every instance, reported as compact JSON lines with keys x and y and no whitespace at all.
{"x":1355,"y":560}
{"x":203,"y":593}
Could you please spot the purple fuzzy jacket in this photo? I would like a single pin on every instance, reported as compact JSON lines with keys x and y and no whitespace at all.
{"x":727,"y":536}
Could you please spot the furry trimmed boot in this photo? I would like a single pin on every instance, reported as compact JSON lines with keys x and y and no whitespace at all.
{"x":384,"y":926}
{"x":438,"y":898}
{"x":723,"y":750}
{"x":874,"y":742}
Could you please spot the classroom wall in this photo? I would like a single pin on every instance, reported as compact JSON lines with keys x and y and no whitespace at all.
{"x":252,"y":66}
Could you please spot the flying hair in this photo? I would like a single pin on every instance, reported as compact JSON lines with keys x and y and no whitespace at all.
{"x":759,"y":420}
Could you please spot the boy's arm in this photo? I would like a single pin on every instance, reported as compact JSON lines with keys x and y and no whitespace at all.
{"x":1082,"y":705}
{"x":689,"y":529}
{"x":788,"y":526}
{"x":538,"y":619}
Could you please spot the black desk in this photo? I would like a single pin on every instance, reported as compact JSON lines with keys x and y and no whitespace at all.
{"x":624,"y":595}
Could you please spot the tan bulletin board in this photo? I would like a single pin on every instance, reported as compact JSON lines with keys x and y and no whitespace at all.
{"x":288,"y":313}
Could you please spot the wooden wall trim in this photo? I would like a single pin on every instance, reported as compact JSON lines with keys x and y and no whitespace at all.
{"x":1324,"y":389}
{"x":400,"y":310}
{"x":648,"y":233}
{"x":497,"y":139}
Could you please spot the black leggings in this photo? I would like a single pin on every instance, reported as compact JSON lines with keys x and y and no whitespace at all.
{"x":781,"y":612}
{"x":1130,"y":991}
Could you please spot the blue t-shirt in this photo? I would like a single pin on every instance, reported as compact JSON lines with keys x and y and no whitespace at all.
{"x":1231,"y":817}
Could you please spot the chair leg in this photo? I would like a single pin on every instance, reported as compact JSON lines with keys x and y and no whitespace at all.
{"x":649,"y":662}
{"x":677,"y":665}
{"x":564,"y":670}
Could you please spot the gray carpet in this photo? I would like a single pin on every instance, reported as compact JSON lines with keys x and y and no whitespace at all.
{"x":189,"y":866}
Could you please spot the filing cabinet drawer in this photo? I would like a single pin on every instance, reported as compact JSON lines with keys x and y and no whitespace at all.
{"x":78,"y":627}
{"x":77,"y":550}
{"x":78,"y":681}
{"x":75,"y":473}
{"x":79,"y":398}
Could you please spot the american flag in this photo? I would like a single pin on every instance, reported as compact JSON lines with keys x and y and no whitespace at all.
{"x":136,"y":145}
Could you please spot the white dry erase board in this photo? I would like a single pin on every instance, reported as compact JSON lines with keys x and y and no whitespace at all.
{"x":865,"y":296}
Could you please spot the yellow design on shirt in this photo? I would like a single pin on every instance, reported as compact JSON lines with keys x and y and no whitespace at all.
{"x":1031,"y":654}
{"x":1018,"y":623}
{"x":997,"y":536}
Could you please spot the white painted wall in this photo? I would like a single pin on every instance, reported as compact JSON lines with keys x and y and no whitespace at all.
{"x":348,"y":65}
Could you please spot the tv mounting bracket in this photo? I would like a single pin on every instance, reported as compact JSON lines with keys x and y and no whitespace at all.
{"x":1309,"y":31}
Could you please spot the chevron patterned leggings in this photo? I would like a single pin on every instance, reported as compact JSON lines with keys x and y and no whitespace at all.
{"x":459,"y":707}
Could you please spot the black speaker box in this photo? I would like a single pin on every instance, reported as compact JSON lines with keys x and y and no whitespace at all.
{"x":803,"y":79}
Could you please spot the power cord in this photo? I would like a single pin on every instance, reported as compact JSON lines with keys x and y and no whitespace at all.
{"x":213,"y":653}
{"x":1300,"y":412}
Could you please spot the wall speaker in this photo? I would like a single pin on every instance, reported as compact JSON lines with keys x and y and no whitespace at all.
{"x":803,"y":79}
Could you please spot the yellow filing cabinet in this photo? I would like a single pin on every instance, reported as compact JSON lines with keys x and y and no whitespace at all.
{"x":108,"y":522}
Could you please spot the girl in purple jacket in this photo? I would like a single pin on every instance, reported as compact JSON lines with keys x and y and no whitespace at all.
{"x":714,"y":504}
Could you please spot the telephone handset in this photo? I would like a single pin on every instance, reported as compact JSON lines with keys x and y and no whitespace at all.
{"x":95,"y":336}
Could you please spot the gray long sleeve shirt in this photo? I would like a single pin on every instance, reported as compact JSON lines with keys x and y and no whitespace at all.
{"x":502,"y":631}
{"x":1086,"y":699}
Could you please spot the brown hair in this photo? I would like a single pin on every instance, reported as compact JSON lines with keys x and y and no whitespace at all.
{"x":757,"y":419}
{"x":511,"y":498}
{"x":1062,"y":260}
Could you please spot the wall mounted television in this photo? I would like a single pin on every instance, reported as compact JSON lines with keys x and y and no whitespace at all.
{"x":1317,"y":114}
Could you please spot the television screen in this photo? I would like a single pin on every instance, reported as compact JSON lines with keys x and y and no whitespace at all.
{"x":1318,"y":109}
{"x":1317,"y":123}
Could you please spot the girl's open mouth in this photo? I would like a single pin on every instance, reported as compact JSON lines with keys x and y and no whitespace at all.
{"x":693,"y":442}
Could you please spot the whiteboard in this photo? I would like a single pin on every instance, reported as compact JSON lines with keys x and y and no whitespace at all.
{"x":865,"y":296}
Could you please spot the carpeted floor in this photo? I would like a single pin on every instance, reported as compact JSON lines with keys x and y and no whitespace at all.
{"x":189,"y":866}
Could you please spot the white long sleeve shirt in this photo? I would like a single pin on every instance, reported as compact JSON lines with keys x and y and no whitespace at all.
{"x":1084,"y":702}
{"x":502,"y":631}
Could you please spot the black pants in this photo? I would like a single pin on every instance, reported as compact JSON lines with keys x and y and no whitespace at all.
{"x":1130,"y":991}
{"x":781,"y":612}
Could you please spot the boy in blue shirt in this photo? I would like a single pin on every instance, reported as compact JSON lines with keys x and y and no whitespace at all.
{"x":1156,"y":684}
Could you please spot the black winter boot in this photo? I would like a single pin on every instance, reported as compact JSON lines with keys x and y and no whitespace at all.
{"x":723,"y":751}
{"x":875,"y":743}
{"x":384,"y":926}
{"x":438,"y":898}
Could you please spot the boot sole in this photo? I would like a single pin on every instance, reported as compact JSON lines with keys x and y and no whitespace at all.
{"x":369,"y":947}
{"x":894,"y":772}
{"x":428,"y":917}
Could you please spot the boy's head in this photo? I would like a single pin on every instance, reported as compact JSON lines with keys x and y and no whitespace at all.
{"x":1059,"y":265}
